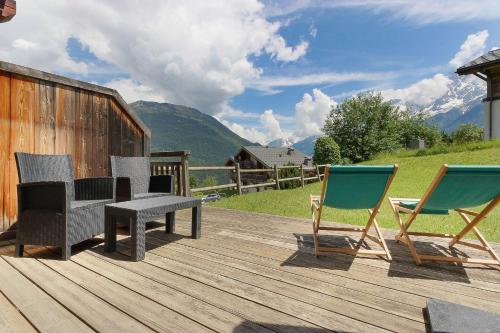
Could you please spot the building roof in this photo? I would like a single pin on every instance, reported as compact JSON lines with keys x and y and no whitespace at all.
{"x":481,"y":63}
{"x":277,"y":156}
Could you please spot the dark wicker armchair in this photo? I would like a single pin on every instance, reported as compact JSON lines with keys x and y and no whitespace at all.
{"x":54,"y":209}
{"x":134,"y":180}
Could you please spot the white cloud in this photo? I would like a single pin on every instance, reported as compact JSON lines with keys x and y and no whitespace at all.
{"x":250,"y":133}
{"x":311,"y":113}
{"x":269,"y":84}
{"x":313,"y":31}
{"x":422,"y":92}
{"x":134,"y":91}
{"x":494,"y":48}
{"x":473,"y":47}
{"x":419,"y":12}
{"x":271,"y":125}
{"x":195,"y":53}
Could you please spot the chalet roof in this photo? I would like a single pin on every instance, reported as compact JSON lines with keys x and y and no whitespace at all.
{"x":279,"y":156}
{"x":481,"y":63}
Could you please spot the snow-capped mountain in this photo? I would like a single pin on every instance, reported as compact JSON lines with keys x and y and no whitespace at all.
{"x":464,"y":93}
{"x":461,"y":103}
{"x":283,"y":142}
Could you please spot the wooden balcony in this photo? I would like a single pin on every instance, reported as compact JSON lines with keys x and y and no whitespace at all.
{"x":248,"y":273}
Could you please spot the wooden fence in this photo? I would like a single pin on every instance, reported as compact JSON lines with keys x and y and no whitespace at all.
{"x":181,"y":169}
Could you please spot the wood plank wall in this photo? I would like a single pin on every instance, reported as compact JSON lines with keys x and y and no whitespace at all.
{"x":45,"y":117}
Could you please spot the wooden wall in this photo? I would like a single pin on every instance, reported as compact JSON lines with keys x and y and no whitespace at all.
{"x":495,"y":83}
{"x":47,"y":117}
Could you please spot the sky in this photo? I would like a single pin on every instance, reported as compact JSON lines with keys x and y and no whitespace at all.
{"x":266,"y":69}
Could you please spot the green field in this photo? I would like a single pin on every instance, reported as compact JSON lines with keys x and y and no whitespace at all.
{"x":415,"y":174}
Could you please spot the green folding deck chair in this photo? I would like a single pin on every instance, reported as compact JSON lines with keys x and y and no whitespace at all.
{"x":353,"y":187}
{"x":456,"y":187}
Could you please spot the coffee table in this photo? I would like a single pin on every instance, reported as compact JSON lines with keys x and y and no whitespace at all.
{"x":144,"y":210}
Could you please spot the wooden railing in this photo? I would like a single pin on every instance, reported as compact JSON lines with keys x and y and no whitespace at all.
{"x":177,"y":164}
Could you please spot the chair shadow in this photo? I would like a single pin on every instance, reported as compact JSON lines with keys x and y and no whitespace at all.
{"x":403,"y":265}
{"x":304,"y":256}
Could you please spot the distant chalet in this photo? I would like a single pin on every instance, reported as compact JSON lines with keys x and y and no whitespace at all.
{"x":258,"y":157}
{"x":7,"y":10}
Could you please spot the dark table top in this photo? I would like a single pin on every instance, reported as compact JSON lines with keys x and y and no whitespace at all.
{"x":156,"y":202}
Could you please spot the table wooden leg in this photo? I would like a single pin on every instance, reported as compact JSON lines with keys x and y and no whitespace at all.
{"x":196,"y":222}
{"x":170,"y":222}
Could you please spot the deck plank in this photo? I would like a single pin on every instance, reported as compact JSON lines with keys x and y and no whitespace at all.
{"x":252,"y":311}
{"x":248,"y":273}
{"x":146,"y":314}
{"x":43,"y":312}
{"x":256,"y":246}
{"x":338,"y":306}
{"x":11,"y":320}
{"x":206,"y":314}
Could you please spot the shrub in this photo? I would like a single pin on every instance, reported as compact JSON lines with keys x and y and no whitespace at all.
{"x":466,"y":133}
{"x":289,"y":173}
{"x":414,"y":125}
{"x":326,"y":151}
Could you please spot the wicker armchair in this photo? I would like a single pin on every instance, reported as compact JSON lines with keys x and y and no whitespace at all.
{"x":54,"y":209}
{"x":134,"y":180}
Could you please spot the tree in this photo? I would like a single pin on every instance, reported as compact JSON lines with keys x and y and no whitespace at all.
{"x":363,"y":126}
{"x":415,"y":125}
{"x":467,"y":133}
{"x":326,"y":151}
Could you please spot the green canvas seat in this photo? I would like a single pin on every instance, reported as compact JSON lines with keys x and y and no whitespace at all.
{"x":353,"y":187}
{"x":457,"y":188}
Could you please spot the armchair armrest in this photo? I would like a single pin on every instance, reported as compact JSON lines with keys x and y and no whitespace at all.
{"x":95,"y":188}
{"x":44,"y":195}
{"x":162,"y":184}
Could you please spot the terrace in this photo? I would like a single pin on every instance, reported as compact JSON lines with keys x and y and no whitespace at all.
{"x":249,"y":272}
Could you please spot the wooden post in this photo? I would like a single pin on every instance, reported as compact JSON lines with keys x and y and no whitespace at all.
{"x":277,"y":177}
{"x":179,"y":179}
{"x":302,"y":174}
{"x":319,"y":175}
{"x":185,"y":176}
{"x":238,"y":178}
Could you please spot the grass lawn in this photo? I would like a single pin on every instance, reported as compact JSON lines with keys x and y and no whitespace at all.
{"x":413,"y":178}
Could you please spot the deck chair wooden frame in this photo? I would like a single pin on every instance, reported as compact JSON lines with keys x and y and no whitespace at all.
{"x":317,"y":209}
{"x":404,"y":235}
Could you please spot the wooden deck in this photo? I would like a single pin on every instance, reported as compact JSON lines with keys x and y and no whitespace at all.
{"x":248,"y":273}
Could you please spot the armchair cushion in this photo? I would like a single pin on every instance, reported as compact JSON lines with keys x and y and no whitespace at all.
{"x":161,"y":184}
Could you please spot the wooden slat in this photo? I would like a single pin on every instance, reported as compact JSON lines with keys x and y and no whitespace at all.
{"x":65,"y":120}
{"x":4,"y":149}
{"x":23,"y":108}
{"x":92,"y":310}
{"x":80,"y":158}
{"x":100,"y":122}
{"x":45,"y":119}
{"x":115,"y":128}
{"x":269,"y":317}
{"x":348,"y":309}
{"x":175,"y":299}
{"x":11,"y":320}
{"x":43,"y":312}
{"x":296,"y":308}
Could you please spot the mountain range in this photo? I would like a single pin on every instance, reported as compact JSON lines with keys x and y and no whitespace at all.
{"x":461,"y":104}
{"x":177,"y":127}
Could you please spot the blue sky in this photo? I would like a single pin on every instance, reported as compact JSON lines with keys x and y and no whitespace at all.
{"x":267,"y":70}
